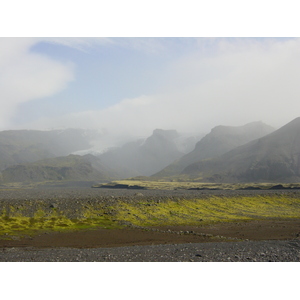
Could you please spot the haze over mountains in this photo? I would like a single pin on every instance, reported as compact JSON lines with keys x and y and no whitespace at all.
{"x":250,"y":153}
{"x":146,"y":157}
{"x":220,"y":140}
{"x":29,"y":159}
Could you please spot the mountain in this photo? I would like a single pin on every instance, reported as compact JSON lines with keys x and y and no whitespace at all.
{"x":22,"y":146}
{"x":273,"y":158}
{"x":144,"y":157}
{"x":35,"y":156}
{"x":220,"y":140}
{"x":71,"y":167}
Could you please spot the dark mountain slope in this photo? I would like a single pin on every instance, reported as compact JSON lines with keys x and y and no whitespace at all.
{"x":220,"y":140}
{"x":275,"y":158}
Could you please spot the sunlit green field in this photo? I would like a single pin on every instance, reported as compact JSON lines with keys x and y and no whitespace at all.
{"x":196,"y":212}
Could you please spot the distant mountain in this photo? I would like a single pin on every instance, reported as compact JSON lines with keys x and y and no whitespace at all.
{"x":273,"y":158}
{"x":34,"y":156}
{"x":72,"y":167}
{"x":22,"y":146}
{"x":144,"y":157}
{"x":220,"y":140}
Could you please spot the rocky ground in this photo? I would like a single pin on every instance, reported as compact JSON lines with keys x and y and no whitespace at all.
{"x":246,"y":251}
{"x":250,"y":241}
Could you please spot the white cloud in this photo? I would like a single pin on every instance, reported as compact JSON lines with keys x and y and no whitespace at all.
{"x":240,"y":81}
{"x":243,"y":81}
{"x":26,"y":76}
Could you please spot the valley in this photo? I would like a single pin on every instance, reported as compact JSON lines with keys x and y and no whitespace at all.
{"x":235,"y":184}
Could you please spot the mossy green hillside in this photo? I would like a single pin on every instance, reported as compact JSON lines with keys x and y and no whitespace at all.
{"x":207,"y":211}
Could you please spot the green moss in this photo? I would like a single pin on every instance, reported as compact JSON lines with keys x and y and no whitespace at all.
{"x":150,"y":213}
{"x":19,"y":224}
{"x":214,"y":209}
{"x":40,"y":213}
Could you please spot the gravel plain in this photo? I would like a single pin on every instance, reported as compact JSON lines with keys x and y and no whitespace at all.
{"x":284,"y":250}
{"x":246,"y":251}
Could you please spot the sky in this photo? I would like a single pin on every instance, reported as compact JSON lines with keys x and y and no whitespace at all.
{"x":166,"y":77}
{"x":131,"y":86}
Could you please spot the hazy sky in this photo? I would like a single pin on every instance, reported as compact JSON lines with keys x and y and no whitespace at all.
{"x":134,"y":85}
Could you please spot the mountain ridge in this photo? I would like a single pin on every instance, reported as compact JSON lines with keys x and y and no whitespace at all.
{"x":144,"y":157}
{"x":220,"y":140}
{"x":274,"y":157}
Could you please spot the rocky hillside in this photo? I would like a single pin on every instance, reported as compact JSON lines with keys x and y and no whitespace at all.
{"x":220,"y":140}
{"x":275,"y":158}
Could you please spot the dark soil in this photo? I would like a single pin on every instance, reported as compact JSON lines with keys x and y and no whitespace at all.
{"x":256,"y":230}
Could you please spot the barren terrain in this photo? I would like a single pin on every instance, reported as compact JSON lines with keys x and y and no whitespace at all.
{"x":257,"y":239}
